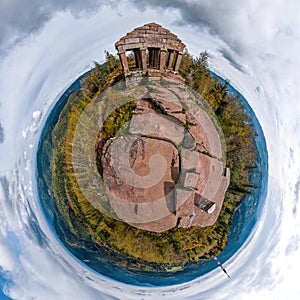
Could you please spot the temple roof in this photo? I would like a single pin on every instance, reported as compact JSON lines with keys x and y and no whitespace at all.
{"x":148,"y":36}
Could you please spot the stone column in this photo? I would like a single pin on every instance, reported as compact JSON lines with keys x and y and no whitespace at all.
{"x":178,"y":61}
{"x":144,"y":58}
{"x":171,"y":58}
{"x":124,"y":62}
{"x":163,"y":58}
{"x":155,"y":58}
{"x":138,"y":59}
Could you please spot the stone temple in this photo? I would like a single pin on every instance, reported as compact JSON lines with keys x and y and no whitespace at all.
{"x":154,"y":48}
{"x":168,"y":170}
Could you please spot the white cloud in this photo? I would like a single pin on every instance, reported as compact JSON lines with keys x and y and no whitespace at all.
{"x":19,"y":19}
{"x":6,"y":258}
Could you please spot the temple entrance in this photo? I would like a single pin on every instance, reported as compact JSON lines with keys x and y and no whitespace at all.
{"x":172,"y":56}
{"x":153,"y":58}
{"x":138,"y":58}
{"x":134,"y":59}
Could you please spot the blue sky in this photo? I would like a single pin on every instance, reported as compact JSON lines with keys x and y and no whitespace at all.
{"x":3,"y":282}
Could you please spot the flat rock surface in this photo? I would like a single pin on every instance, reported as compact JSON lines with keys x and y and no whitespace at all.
{"x":140,"y":169}
{"x":168,"y":164}
{"x":157,"y":126}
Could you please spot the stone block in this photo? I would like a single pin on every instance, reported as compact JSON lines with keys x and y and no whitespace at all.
{"x":184,"y":202}
{"x":191,"y":180}
{"x":190,"y":160}
{"x":132,"y":40}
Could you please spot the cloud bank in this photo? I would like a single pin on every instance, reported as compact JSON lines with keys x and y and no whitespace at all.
{"x":19,"y":19}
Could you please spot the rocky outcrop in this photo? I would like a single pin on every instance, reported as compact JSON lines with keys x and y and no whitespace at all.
{"x":157,"y":176}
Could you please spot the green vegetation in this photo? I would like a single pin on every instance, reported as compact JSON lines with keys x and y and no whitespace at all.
{"x":117,"y":119}
{"x":111,"y":126}
{"x":238,"y":132}
{"x":239,"y":135}
{"x":152,"y":251}
{"x":102,"y":77}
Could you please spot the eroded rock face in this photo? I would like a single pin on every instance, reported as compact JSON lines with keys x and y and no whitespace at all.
{"x":140,"y":169}
{"x":163,"y":173}
{"x":141,"y":174}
